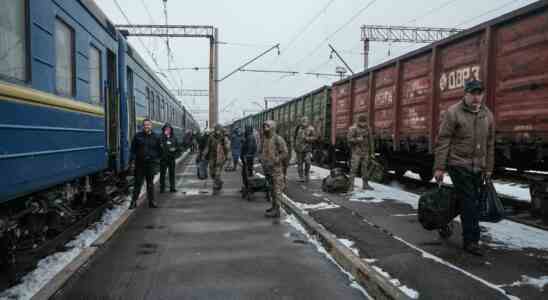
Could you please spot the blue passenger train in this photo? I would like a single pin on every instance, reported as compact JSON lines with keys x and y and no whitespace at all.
{"x":72,"y":94}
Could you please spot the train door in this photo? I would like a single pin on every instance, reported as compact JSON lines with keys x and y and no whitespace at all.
{"x":113,"y":109}
{"x":131,"y":104}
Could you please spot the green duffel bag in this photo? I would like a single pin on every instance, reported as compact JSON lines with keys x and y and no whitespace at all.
{"x":336,"y":182}
{"x":375,"y":171}
{"x":437,"y":208}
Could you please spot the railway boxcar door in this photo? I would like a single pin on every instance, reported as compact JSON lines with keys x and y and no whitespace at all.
{"x":113,"y":107}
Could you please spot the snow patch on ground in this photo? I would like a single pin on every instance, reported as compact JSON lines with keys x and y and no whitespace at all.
{"x":539,"y":283}
{"x":515,"y":236}
{"x":350,"y":245}
{"x":311,"y":207}
{"x":518,"y":192}
{"x":411,"y":293}
{"x":48,"y":267}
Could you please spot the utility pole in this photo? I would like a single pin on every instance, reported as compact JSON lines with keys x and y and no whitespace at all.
{"x":194,"y":31}
{"x":403,"y":34}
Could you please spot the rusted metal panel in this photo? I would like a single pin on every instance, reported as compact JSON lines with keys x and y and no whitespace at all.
{"x":341,"y":101}
{"x":416,"y":87}
{"x":361,"y":95}
{"x":522,"y":79}
{"x":385,"y":89}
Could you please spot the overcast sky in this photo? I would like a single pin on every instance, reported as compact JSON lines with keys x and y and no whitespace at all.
{"x":302,"y":27}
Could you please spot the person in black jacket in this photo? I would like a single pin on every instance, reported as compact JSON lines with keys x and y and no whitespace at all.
{"x":170,"y":150}
{"x":248,"y":153}
{"x":145,"y":150}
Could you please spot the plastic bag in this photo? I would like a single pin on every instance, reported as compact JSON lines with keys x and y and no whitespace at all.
{"x":490,"y":206}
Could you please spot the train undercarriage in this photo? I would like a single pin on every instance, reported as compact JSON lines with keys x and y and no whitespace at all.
{"x":29,"y":226}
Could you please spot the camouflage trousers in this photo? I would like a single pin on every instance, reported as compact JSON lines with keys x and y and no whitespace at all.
{"x":359,"y":164}
{"x":215,"y":171}
{"x":304,"y":159}
{"x":278,"y":186}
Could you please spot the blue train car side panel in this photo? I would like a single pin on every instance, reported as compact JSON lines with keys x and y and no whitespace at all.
{"x":45,"y":146}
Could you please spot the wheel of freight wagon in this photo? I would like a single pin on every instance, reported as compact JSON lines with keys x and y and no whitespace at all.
{"x":426,"y":175}
{"x":446,"y":231}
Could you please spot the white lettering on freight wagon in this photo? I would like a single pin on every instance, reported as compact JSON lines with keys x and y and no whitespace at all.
{"x":456,"y":78}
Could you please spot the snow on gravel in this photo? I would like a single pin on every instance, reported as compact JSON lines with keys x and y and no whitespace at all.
{"x":350,"y":245}
{"x":48,"y":267}
{"x":538,"y":283}
{"x":317,"y":206}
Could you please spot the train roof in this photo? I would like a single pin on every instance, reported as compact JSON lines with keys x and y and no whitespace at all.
{"x":526,"y":10}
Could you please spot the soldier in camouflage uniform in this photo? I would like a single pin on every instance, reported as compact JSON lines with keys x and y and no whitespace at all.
{"x":305,"y":135}
{"x":273,"y":154}
{"x":217,"y":153}
{"x":362,"y":146}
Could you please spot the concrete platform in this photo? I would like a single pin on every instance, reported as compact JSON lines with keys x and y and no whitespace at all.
{"x":198,"y":246}
{"x":389,"y":233}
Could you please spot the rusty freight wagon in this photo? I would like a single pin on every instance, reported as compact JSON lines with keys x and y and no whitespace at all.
{"x":405,"y":98}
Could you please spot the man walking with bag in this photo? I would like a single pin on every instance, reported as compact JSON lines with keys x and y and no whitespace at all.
{"x":361,"y":143}
{"x":465,"y":149}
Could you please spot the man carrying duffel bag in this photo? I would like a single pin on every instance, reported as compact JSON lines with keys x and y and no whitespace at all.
{"x":466,"y":150}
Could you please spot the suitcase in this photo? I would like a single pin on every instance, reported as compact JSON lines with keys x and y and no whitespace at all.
{"x":257,"y":184}
{"x":437,"y":208}
{"x":202,"y":169}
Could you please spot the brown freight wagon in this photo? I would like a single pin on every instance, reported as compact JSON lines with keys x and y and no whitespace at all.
{"x":405,"y":98}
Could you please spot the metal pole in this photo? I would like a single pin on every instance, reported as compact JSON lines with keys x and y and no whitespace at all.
{"x":344,"y":62}
{"x":365,"y":54}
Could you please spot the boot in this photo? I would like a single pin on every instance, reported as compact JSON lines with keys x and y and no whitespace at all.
{"x":274,"y":213}
{"x":351,"y":188}
{"x":365,"y":185}
{"x":473,"y":248}
{"x":152,"y":204}
{"x":133,"y":204}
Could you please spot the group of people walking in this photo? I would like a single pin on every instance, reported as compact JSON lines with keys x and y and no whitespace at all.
{"x":464,"y":149}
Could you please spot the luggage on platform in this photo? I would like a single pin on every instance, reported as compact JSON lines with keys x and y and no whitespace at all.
{"x":202,"y":169}
{"x":490,"y":206}
{"x":336,"y":182}
{"x":437,"y":208}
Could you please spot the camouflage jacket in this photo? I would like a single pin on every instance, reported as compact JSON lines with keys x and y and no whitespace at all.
{"x":466,"y":139}
{"x":274,"y":151}
{"x":304,"y":137}
{"x":361,"y":140}
{"x":218,"y":148}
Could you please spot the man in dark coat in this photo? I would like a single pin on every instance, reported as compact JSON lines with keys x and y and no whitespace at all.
{"x":466,"y":150}
{"x":145,"y":151}
{"x":170,"y":150}
{"x":248,"y":153}
{"x":236,"y":147}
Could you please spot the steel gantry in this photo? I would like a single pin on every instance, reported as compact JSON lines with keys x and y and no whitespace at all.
{"x":404,"y":34}
{"x":192,"y":31}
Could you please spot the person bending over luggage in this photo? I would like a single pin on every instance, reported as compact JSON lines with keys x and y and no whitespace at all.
{"x":305,"y":136}
{"x":217,"y":153}
{"x":145,"y":150}
{"x":170,"y":150}
{"x":247,"y":155}
{"x":274,"y":152}
{"x":466,"y":150}
{"x":360,"y":140}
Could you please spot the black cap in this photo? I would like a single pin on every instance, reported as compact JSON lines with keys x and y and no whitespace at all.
{"x":473,"y":85}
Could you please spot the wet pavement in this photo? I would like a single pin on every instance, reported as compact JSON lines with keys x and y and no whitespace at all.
{"x":388,"y":234}
{"x":199,"y":246}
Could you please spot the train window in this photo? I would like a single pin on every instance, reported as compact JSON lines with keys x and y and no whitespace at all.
{"x":13,"y":37}
{"x":95,"y":75}
{"x":149,"y":106}
{"x":64,"y":58}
